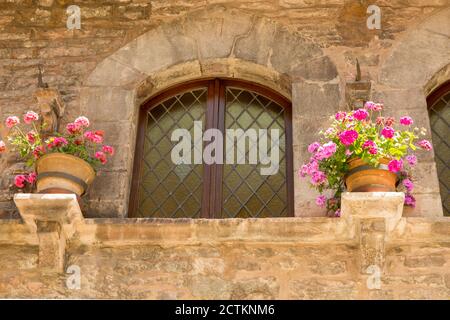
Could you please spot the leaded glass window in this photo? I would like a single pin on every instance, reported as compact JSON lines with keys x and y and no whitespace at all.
{"x":439,"y":109}
{"x":163,"y":189}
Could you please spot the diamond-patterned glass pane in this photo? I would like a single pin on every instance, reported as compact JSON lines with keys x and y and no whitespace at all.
{"x":168,"y":190}
{"x":246,"y":192}
{"x":440,"y":129}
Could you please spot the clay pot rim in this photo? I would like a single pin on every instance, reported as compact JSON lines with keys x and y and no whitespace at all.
{"x":358,"y":165}
{"x":354,"y":159}
{"x":68,"y":156}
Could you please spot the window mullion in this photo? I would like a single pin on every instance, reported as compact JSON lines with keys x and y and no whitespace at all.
{"x":218,"y":168}
{"x":209,"y":170}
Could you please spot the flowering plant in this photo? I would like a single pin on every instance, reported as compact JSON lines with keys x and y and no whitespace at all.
{"x":364,"y":134}
{"x":76,"y":140}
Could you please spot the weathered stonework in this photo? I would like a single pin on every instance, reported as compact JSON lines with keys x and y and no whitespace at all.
{"x":127,"y":51}
{"x":292,"y":258}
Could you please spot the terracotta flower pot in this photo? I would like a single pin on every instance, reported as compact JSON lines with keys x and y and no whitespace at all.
{"x":63,"y":173}
{"x":365,"y":178}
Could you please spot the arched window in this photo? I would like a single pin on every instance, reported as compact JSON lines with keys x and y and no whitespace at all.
{"x":162,"y":188}
{"x":439,"y":109}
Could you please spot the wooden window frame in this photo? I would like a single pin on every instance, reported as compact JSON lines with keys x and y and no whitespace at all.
{"x":437,"y":94}
{"x":433,"y":98}
{"x":215,"y":118}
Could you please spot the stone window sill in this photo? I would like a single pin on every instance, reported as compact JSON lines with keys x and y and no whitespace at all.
{"x":368,"y":220}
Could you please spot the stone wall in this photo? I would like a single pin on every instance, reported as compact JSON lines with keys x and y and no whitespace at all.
{"x":128,"y":50}
{"x":230,"y":270}
{"x":293,"y":258}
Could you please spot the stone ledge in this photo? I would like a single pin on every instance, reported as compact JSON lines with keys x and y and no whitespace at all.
{"x":54,"y":218}
{"x":64,"y":209}
{"x":191,"y":231}
{"x":373,"y":205}
{"x":14,"y":231}
{"x":420,"y":230}
{"x":59,"y":208}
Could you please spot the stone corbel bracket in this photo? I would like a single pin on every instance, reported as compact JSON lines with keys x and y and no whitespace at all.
{"x":54,"y":217}
{"x":375,"y":215}
{"x":357,"y":92}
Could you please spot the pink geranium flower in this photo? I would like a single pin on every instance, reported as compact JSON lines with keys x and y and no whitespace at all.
{"x":412,"y":160}
{"x":93,"y":137}
{"x":73,"y":128}
{"x":410,"y":200}
{"x":2,"y":146}
{"x":318,"y":178}
{"x":348,"y":137}
{"x":340,"y":115}
{"x":30,"y":116}
{"x":56,"y":142}
{"x":425,"y":145}
{"x":395,"y":165}
{"x":31,"y":178}
{"x":101,"y":156}
{"x":406,"y":121}
{"x":82,"y":122}
{"x":329,"y":148}
{"x":360,"y":114}
{"x":31,"y":137}
{"x":409,"y":185}
{"x":388,"y":132}
{"x":309,"y":169}
{"x":12,"y":121}
{"x":329,"y":132}
{"x":326,"y":151}
{"x":379,"y":121}
{"x":321,"y":201}
{"x":108,"y":150}
{"x":370,"y":105}
{"x":38,"y":152}
{"x":20,"y":180}
{"x":313,"y":147}
{"x":371,"y":146}
{"x":389,"y":121}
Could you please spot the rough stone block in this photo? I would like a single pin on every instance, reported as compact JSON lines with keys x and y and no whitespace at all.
{"x":366,"y":205}
{"x":124,"y":74}
{"x":52,"y":245}
{"x":319,"y":69}
{"x":427,"y":205}
{"x":315,"y":100}
{"x":410,"y":61}
{"x":107,"y":104}
{"x":322,"y":289}
{"x":165,"y":42}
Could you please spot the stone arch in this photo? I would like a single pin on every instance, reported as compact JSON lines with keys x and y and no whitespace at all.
{"x":426,"y":47}
{"x":409,"y":73}
{"x":213,"y":43}
{"x":441,"y":77}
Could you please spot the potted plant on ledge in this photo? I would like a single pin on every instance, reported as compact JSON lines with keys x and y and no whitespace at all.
{"x":60,"y":163}
{"x":362,"y":151}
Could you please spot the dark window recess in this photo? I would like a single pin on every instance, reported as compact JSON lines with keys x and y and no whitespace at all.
{"x":162,"y":189}
{"x":439,"y":109}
